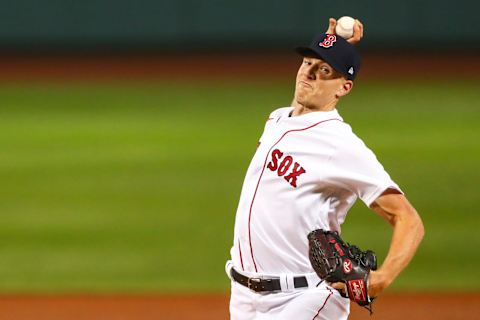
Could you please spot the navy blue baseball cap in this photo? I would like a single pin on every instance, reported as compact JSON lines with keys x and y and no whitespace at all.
{"x":336,"y":51}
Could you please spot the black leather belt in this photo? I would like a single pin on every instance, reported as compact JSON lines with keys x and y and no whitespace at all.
{"x":265,"y":285}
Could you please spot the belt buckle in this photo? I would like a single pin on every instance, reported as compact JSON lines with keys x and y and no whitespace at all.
{"x":253,"y":284}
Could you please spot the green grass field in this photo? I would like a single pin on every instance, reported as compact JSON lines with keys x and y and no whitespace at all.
{"x":132,"y":187}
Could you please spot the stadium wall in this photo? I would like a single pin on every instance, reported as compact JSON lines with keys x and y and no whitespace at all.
{"x":190,"y":25}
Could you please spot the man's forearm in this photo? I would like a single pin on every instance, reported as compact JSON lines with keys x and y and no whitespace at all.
{"x":408,"y":232}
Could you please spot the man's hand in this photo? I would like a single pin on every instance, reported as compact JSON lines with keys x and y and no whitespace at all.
{"x":376,"y":284}
{"x":340,"y":286}
{"x":357,"y":30}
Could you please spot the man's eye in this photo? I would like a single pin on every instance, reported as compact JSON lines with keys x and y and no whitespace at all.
{"x":325,"y":70}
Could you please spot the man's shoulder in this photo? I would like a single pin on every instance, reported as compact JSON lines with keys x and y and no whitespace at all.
{"x":349,"y":143}
{"x":340,"y":130}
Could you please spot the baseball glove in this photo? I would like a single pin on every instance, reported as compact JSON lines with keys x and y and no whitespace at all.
{"x":336,"y":261}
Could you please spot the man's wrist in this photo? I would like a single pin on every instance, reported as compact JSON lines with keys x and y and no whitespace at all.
{"x":378,"y":281}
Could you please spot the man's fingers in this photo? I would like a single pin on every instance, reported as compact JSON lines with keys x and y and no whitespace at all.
{"x":338,"y":285}
{"x":360,"y":26}
{"x":331,"y":26}
{"x":357,"y":32}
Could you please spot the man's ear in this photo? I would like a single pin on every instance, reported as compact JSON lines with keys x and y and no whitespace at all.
{"x":345,"y":89}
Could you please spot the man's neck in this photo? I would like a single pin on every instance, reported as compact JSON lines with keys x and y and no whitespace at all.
{"x":299,"y":109}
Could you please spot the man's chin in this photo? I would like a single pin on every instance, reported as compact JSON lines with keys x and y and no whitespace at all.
{"x":300,"y":99}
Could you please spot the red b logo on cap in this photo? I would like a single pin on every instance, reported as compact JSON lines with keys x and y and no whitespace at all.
{"x":329,"y":40}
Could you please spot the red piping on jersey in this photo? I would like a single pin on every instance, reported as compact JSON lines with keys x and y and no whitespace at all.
{"x":321,"y":308}
{"x":260,"y":178}
{"x":240,"y":251}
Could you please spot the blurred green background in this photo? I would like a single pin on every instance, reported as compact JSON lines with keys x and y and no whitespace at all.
{"x":133,"y":187}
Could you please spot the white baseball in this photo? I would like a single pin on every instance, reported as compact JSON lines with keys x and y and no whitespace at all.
{"x":344,"y":27}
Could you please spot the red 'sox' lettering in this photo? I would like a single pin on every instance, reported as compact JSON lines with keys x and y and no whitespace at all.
{"x":284,"y":166}
{"x":296,"y":171}
{"x":276,"y":154}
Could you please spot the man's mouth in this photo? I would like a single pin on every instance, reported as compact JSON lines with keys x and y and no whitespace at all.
{"x":305,"y":84}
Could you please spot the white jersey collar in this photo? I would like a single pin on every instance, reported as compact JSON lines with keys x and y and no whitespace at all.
{"x":314,"y":116}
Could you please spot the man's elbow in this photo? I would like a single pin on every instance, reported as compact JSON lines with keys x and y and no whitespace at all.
{"x":410,"y":219}
{"x":417,"y":225}
{"x":421,"y":229}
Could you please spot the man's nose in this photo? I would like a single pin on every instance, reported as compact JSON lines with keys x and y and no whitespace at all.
{"x":310,"y":74}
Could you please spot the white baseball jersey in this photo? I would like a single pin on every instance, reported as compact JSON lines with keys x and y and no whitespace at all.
{"x":307,"y":172}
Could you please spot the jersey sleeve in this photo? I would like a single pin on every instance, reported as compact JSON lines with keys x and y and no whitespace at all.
{"x":353,"y":166}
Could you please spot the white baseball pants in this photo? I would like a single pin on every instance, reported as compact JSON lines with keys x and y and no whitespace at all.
{"x":312,"y":303}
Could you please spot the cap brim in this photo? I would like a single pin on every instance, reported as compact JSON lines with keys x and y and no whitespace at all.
{"x":307,"y":52}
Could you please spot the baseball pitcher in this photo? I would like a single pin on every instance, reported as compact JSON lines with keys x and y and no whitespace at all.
{"x":288,"y":260}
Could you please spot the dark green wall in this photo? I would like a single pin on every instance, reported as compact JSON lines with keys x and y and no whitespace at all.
{"x":195,"y":24}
